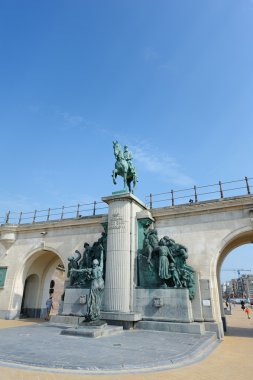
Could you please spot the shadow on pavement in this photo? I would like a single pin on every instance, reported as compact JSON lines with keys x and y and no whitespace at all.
{"x":239,"y":331}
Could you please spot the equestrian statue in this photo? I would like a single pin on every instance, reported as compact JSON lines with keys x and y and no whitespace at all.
{"x":124,"y":166}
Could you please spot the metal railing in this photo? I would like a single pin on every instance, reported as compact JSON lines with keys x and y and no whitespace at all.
{"x":197,"y":194}
{"x":55,"y":214}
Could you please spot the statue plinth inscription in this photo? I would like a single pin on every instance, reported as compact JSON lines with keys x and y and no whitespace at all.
{"x":116,"y":222}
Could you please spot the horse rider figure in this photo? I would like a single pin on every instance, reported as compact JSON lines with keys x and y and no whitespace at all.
{"x":124,"y":166}
{"x":128,"y":157}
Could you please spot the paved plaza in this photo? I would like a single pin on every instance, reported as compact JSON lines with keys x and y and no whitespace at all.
{"x":41,"y":345}
{"x":32,"y":350}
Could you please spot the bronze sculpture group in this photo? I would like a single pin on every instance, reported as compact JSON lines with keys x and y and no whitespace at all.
{"x":87,"y":271}
{"x":165,"y":263}
{"x":78,"y":265}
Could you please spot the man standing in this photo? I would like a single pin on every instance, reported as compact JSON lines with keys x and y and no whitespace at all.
{"x":49,"y":306}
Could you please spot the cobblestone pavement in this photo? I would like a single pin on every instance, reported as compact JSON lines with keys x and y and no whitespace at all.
{"x":232,"y":359}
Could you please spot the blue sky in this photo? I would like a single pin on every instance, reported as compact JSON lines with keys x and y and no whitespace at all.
{"x":171,"y":79}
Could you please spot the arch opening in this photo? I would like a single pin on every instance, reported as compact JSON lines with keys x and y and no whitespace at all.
{"x":235,"y":274}
{"x":43,"y":276}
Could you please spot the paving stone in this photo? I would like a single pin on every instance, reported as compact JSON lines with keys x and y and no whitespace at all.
{"x":42,"y":345}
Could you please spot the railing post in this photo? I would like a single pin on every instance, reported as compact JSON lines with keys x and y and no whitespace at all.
{"x":20,"y":217}
{"x":247,"y":185}
{"x":7,"y":217}
{"x":48,"y":214}
{"x":195,"y":193}
{"x":172,"y":198}
{"x":221,"y":191}
{"x":94,"y":208}
{"x":62,"y":212}
{"x":150,"y":201}
{"x":34,"y":216}
{"x":77,"y":212}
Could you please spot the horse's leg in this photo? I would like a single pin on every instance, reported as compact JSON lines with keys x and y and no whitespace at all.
{"x":134,"y":183}
{"x":129,"y":185}
{"x":114,"y":176}
{"x":125,"y":180}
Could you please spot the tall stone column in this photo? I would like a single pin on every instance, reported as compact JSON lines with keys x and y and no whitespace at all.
{"x":121,"y":249}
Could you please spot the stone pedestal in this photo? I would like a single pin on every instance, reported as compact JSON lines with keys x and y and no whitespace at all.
{"x":93,"y":330}
{"x":121,"y":251}
{"x":168,"y":305}
{"x":75,"y":302}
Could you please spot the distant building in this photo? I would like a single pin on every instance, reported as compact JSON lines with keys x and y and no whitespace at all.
{"x":247,"y":284}
{"x":242,"y":287}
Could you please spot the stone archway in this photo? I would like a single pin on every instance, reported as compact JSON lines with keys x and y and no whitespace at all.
{"x":43,"y":274}
{"x":232,"y":241}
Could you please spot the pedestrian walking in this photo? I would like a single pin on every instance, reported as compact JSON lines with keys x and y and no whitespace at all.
{"x":242,"y":305}
{"x":247,"y":311}
{"x":49,"y":306}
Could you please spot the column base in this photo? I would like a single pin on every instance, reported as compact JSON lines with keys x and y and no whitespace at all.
{"x":127,"y":320}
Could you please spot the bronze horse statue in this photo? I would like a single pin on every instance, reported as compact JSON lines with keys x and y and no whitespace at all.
{"x":124,"y":167}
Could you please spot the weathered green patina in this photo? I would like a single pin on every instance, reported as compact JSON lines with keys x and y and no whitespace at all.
{"x":147,"y":277}
{"x":96,"y":290}
{"x":162,"y":263}
{"x":86,"y":270}
{"x":143,"y":225}
{"x":79,"y":266}
{"x":124,"y":167}
{"x":3,"y":271}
